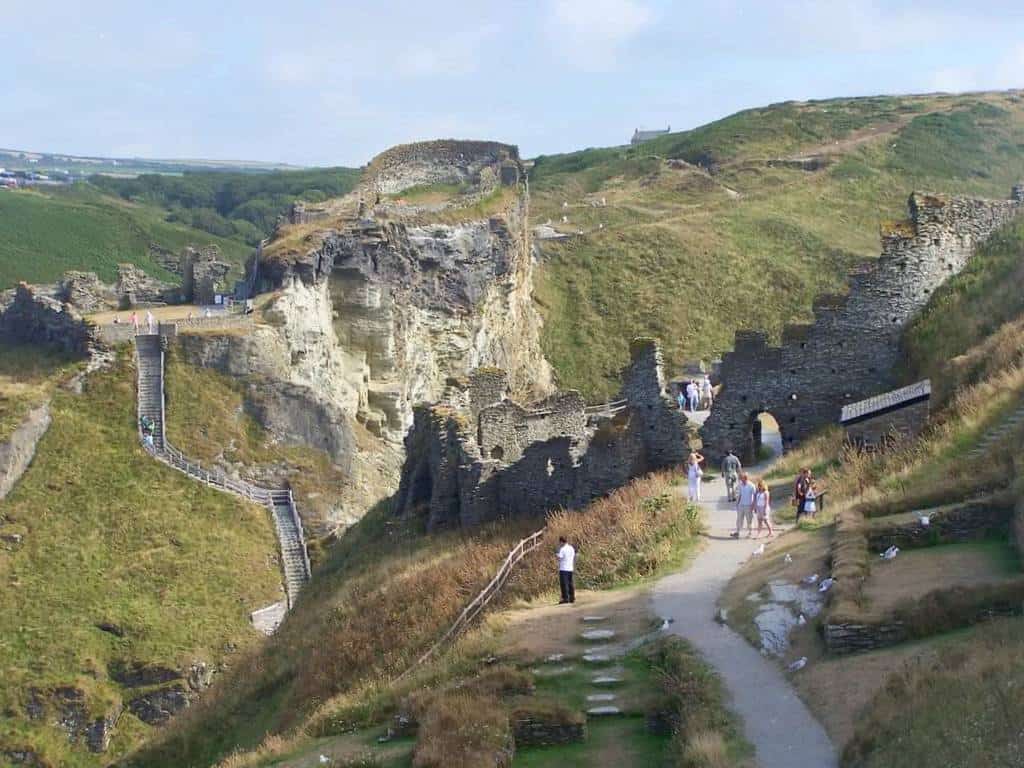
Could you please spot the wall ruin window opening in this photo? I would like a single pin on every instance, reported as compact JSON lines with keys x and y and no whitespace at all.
{"x":497,"y":452}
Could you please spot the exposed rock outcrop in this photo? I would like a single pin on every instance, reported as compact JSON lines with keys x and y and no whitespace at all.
{"x":35,"y":316}
{"x":17,"y":452}
{"x":134,"y":287}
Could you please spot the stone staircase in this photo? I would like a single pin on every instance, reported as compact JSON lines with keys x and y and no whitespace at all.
{"x":999,"y":433}
{"x":280,"y":502}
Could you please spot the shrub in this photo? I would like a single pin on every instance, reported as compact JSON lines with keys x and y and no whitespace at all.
{"x":460,"y":730}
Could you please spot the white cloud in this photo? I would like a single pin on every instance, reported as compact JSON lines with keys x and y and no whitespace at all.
{"x":591,"y":34}
{"x":1008,"y":72}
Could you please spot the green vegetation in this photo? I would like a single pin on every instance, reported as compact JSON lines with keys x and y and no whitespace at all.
{"x":43,"y":234}
{"x":28,"y":376}
{"x":243,"y":205}
{"x":110,"y":536}
{"x":702,"y":235}
{"x":385,"y":593}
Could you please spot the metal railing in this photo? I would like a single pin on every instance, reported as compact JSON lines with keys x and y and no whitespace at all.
{"x":471,"y":611}
{"x":172,"y":457}
{"x":611,"y":408}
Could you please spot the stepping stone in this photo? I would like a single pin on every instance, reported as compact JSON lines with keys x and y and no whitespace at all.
{"x":606,"y":680}
{"x":597,"y":658}
{"x":554,"y":658}
{"x":593,"y":619}
{"x":553,"y":672}
{"x":606,"y":710}
{"x":596,"y":697}
{"x":598,"y":634}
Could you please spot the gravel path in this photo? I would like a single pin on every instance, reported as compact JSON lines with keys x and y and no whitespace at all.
{"x":775,"y":720}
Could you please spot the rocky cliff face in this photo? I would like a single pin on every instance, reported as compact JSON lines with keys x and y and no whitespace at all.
{"x":380,"y":303}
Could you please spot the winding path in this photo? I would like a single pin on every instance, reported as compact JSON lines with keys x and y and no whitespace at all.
{"x":775,"y":720}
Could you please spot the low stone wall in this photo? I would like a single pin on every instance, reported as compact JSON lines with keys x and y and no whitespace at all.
{"x":900,"y":423}
{"x":17,"y":452}
{"x":975,"y":519}
{"x":842,"y":637}
{"x":529,"y":731}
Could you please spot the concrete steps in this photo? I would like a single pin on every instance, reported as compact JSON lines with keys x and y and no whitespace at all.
{"x":294,"y":559}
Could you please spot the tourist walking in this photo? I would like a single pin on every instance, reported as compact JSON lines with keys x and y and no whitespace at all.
{"x":694,"y":474}
{"x":150,"y":321}
{"x":681,"y":399}
{"x":731,"y":468}
{"x":692,"y":396}
{"x":763,"y":507}
{"x":566,"y":564}
{"x":800,"y":488}
{"x":811,"y":497}
{"x":135,"y":322}
{"x":707,"y":393}
{"x":744,"y":506}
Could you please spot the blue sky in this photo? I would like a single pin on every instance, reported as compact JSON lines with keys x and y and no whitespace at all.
{"x":332,"y":83}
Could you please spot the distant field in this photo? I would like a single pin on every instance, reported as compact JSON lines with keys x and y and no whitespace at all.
{"x":42,"y":234}
{"x":696,"y":234}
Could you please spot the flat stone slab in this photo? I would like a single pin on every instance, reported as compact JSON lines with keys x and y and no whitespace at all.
{"x":594,"y":698}
{"x":594,"y":619}
{"x":597,"y":658}
{"x":267,"y":620}
{"x":606,"y":680}
{"x":554,"y":658}
{"x":598,"y":634}
{"x":553,"y":671}
{"x":606,"y":710}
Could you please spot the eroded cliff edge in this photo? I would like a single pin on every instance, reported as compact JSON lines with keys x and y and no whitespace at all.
{"x":379,"y":299}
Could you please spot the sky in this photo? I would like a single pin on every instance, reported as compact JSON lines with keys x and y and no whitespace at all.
{"x":332,"y":83}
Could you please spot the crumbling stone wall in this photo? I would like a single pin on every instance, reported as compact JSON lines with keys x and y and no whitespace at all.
{"x":135,"y":288}
{"x":203,"y":274}
{"x":36,"y":318}
{"x":902,"y":422}
{"x":484,"y":164}
{"x":507,"y":461}
{"x":851,"y":350}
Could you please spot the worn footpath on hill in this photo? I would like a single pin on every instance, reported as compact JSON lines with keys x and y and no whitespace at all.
{"x":775,"y":720}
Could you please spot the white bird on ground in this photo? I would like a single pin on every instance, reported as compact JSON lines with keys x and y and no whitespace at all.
{"x":788,"y":558}
{"x":810,"y":579}
{"x":759,"y":550}
{"x":798,"y":664}
{"x":925,"y":520}
{"x":324,"y":759}
{"x":890,"y":553}
{"x":826,"y":584}
{"x":801,"y":620}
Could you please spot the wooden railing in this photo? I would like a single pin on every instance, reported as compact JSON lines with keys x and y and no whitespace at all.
{"x":471,"y":611}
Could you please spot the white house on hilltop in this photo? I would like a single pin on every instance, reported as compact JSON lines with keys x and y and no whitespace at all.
{"x":640,"y":136}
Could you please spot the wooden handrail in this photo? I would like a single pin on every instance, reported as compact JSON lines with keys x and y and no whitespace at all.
{"x":471,"y":611}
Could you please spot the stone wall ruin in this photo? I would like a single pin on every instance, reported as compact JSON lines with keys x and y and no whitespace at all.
{"x":852,"y":348}
{"x":478,"y":456}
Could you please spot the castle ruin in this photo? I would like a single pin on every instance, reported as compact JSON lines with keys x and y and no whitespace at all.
{"x":851,"y":350}
{"x":477,"y":456}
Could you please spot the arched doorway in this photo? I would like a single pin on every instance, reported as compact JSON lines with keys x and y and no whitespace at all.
{"x":765,"y":438}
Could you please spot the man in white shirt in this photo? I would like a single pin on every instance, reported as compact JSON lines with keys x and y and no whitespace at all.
{"x":566,"y":562}
{"x":744,"y":505}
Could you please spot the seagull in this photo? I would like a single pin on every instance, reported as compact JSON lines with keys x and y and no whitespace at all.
{"x":801,"y":620}
{"x":324,"y":759}
{"x":759,"y":550}
{"x":798,"y":664}
{"x":788,"y":558}
{"x":826,"y":584}
{"x":925,"y":520}
{"x":890,"y":553}
{"x":810,"y":579}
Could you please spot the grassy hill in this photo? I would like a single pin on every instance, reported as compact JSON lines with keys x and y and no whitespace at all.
{"x":43,"y":234}
{"x":110,"y":538}
{"x":741,"y":222}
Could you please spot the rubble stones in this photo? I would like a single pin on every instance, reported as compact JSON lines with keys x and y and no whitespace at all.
{"x":157,"y":707}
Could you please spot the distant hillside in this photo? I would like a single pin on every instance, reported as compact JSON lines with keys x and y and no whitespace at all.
{"x":84,"y":165}
{"x":741,"y":222}
{"x":242,"y":205}
{"x":44,"y":233}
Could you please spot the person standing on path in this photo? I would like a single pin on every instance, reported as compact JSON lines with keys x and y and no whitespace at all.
{"x":693,"y":475}
{"x":744,"y":506}
{"x":681,"y":399}
{"x":731,"y":468}
{"x":135,"y":322}
{"x":707,"y":393}
{"x":800,"y":488}
{"x":692,"y":396}
{"x":150,"y":321}
{"x":566,"y":563}
{"x":763,"y":507}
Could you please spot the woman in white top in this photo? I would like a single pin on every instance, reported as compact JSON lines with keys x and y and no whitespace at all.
{"x":694,"y":474}
{"x":763,"y":507}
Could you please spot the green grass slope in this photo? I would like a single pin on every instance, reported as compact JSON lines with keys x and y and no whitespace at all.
{"x":706,"y":231}
{"x":43,"y":234}
{"x":109,"y":535}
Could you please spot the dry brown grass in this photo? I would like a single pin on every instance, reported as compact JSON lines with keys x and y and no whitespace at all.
{"x":460,"y":730}
{"x":386,"y":593}
{"x":705,"y":749}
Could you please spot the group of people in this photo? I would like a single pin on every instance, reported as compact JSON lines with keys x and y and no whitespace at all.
{"x":696,"y":395}
{"x":134,"y":320}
